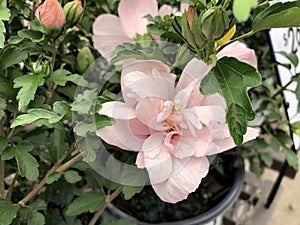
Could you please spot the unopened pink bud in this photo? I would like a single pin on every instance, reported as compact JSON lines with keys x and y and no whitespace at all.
{"x":52,"y":14}
{"x":77,"y":3}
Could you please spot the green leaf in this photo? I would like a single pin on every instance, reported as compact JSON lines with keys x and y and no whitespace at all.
{"x":35,"y":218}
{"x":27,"y":164}
{"x":103,"y":121}
{"x":90,"y":201}
{"x":72,"y":176}
{"x":8,"y":211}
{"x":28,"y":85}
{"x":35,"y":115}
{"x":237,"y":120}
{"x":234,"y":77}
{"x":38,"y":204}
{"x":57,"y":145}
{"x":130,"y":191}
{"x":6,"y":89}
{"x":278,"y":15}
{"x":291,"y":158}
{"x":84,"y":102}
{"x":61,"y":77}
{"x":293,"y":58}
{"x":295,"y":128}
{"x":12,"y":55}
{"x":110,"y":220}
{"x":4,"y":15}
{"x":2,"y":108}
{"x":82,"y":128}
{"x":3,"y":143}
{"x":135,"y":51}
{"x":266,"y":158}
{"x":53,"y":177}
{"x":241,"y":9}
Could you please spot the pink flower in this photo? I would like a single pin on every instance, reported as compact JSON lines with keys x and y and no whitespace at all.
{"x":171,"y":127}
{"x":111,"y":31}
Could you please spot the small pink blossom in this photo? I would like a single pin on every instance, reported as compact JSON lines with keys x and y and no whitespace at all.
{"x":173,"y":128}
{"x":110,"y":31}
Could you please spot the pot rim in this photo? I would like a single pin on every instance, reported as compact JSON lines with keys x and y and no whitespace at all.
{"x":203,"y":218}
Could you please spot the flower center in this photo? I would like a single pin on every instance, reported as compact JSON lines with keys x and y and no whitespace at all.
{"x":170,"y":117}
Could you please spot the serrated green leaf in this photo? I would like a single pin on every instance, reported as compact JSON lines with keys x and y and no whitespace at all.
{"x":241,"y":9}
{"x":8,"y":153}
{"x":89,"y":145}
{"x":90,"y":201}
{"x":28,"y":85}
{"x":55,"y":176}
{"x":35,"y":218}
{"x":2,"y":108}
{"x":234,"y":77}
{"x":61,"y":77}
{"x":85,"y":102}
{"x":278,"y":15}
{"x":72,"y":176}
{"x":110,"y":220}
{"x":82,"y":128}
{"x":27,"y":164}
{"x":35,"y":115}
{"x":130,"y":191}
{"x":8,"y":211}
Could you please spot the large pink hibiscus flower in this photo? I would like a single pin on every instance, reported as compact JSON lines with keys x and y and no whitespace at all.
{"x":110,"y":31}
{"x":172,"y":127}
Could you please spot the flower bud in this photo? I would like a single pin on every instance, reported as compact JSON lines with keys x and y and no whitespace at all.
{"x":214,"y":22}
{"x":84,"y":59}
{"x":73,"y":11}
{"x":189,"y":16}
{"x":52,"y":14}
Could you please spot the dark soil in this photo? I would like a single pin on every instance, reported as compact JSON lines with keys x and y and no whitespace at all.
{"x":147,"y":207}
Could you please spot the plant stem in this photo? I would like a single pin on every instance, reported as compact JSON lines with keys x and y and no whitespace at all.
{"x":281,"y":89}
{"x":11,"y":187}
{"x":2,"y":185}
{"x":2,"y":166}
{"x":36,"y":189}
{"x":108,"y":200}
{"x":71,"y":162}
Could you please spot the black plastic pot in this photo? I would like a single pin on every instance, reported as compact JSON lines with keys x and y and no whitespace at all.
{"x":209,"y":217}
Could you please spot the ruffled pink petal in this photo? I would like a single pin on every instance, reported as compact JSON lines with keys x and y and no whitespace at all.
{"x":193,"y":72}
{"x":108,"y":34}
{"x":165,"y":10}
{"x":228,"y":143}
{"x":139,"y":129}
{"x":147,"y":111}
{"x":132,"y":14}
{"x":183,"y":181}
{"x":135,"y":74}
{"x":239,"y":51}
{"x":121,"y":136}
{"x":157,"y":159}
{"x":184,"y":146}
{"x":117,"y":110}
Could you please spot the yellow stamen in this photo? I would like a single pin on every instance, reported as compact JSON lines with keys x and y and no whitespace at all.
{"x":227,"y":36}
